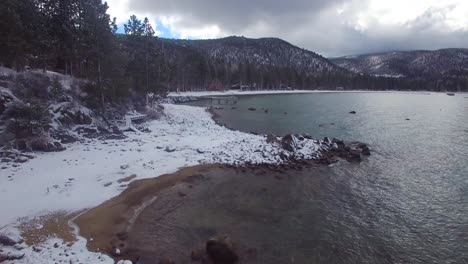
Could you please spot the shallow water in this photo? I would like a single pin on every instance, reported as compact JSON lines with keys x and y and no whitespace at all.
{"x":408,"y":203}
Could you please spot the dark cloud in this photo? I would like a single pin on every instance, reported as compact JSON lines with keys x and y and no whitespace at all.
{"x":233,"y":16}
{"x":313,"y":24}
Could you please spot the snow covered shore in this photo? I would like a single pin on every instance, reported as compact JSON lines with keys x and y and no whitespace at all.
{"x":266,"y":92}
{"x":87,"y":174}
{"x":238,"y":92}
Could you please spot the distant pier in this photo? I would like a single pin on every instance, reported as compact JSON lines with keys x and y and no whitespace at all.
{"x":222,"y":100}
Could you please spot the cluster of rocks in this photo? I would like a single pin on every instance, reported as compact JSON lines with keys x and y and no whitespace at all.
{"x":39,"y":143}
{"x":7,"y":156}
{"x":6,"y":97}
{"x":100,"y":132}
{"x":352,"y":151}
{"x":69,"y":114}
{"x":295,"y":148}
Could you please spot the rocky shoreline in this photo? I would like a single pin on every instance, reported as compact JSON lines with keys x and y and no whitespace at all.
{"x":331,"y":149}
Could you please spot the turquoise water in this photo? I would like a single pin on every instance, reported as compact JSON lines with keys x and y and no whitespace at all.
{"x":407,"y":203}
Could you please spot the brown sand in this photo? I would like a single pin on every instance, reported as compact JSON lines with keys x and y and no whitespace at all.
{"x":106,"y":226}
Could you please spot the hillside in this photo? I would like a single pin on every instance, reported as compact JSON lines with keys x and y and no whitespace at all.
{"x":445,"y":65}
{"x":265,"y":63}
{"x":263,"y":51}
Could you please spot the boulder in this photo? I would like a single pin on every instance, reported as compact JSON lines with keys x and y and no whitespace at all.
{"x":64,"y":137}
{"x":289,"y":142}
{"x":6,"y":97}
{"x":116,"y":252}
{"x":6,"y":241}
{"x":45,"y":145}
{"x":221,"y":251}
{"x":270,"y":139}
{"x":21,"y":159}
{"x":366,"y":151}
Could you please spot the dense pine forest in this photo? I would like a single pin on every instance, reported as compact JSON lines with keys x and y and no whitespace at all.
{"x":79,"y":38}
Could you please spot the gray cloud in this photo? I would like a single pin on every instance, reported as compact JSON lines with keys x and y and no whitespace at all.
{"x":313,"y":24}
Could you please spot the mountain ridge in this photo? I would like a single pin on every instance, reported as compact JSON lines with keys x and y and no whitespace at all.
{"x":426,"y":64}
{"x":265,"y":51}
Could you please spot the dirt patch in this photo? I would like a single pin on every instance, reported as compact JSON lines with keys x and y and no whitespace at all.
{"x":38,"y":229}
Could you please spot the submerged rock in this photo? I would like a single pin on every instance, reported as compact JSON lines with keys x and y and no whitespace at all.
{"x":221,"y":250}
{"x":252,"y":109}
{"x":352,"y":112}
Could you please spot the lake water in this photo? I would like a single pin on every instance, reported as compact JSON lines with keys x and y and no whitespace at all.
{"x":408,"y":202}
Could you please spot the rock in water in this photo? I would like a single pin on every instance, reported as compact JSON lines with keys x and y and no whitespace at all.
{"x":352,"y":112}
{"x":354,"y":156}
{"x":221,"y":251}
{"x":252,"y":109}
{"x":365,"y":151}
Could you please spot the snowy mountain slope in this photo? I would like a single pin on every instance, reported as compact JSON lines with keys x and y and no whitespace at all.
{"x":264,"y":51}
{"x":447,"y":63}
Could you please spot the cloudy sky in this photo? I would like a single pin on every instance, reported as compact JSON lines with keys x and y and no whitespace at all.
{"x":329,"y":27}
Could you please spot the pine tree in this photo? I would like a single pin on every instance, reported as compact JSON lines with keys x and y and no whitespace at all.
{"x":148,"y":33}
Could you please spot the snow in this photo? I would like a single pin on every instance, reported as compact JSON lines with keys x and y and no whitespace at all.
{"x":6,"y":71}
{"x":86,"y":174}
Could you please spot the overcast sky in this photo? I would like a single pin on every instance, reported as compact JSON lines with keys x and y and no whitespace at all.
{"x":328,"y":27}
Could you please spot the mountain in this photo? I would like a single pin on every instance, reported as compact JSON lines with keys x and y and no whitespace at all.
{"x":272,"y":63}
{"x":272,"y":52}
{"x":419,"y":64}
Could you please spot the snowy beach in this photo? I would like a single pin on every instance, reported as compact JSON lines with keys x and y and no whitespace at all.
{"x":87,"y":174}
